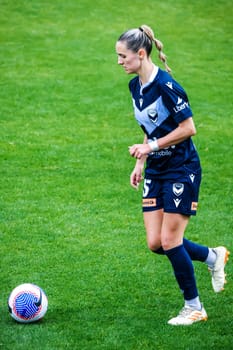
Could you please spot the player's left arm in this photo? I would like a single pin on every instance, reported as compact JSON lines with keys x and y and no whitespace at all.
{"x":184,"y":130}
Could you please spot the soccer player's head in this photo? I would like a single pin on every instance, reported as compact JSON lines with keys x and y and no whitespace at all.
{"x":140,"y":41}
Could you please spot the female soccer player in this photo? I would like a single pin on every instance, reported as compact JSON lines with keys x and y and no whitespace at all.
{"x":172,"y":171}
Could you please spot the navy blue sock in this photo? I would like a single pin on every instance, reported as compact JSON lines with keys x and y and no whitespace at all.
{"x":159,"y":251}
{"x":184,"y":271}
{"x":196,"y":251}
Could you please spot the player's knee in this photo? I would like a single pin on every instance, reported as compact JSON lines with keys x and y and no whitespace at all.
{"x":168,"y":244}
{"x":153,"y":245}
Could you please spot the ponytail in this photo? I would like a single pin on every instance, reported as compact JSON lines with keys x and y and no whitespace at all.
{"x":158,"y":44}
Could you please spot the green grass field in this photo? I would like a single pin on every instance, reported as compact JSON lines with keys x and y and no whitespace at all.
{"x":69,"y":221}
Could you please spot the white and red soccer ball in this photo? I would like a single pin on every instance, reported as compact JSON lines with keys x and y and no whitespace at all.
{"x":27,"y":303}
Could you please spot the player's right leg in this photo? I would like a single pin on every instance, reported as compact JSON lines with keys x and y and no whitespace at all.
{"x":153,"y":222}
{"x":152,"y":207}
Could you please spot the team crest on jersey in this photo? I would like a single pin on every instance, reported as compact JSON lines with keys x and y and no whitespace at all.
{"x":178,"y":189}
{"x":153,"y":115}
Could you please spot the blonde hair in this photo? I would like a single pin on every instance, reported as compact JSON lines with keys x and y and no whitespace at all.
{"x":143,"y":37}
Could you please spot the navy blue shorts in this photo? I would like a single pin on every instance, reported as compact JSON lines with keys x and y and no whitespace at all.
{"x":174,"y":196}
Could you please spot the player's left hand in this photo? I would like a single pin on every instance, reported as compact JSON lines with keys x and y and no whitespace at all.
{"x":139,"y":150}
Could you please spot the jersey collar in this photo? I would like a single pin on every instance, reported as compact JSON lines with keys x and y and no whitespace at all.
{"x":152,"y":77}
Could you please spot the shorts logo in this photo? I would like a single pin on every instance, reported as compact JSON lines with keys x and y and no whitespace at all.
{"x":149,"y":202}
{"x":178,"y":189}
{"x":177,"y":202}
{"x":194,"y":206}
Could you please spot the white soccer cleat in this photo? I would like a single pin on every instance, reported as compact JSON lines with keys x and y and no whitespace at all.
{"x":218,"y":275}
{"x":188,"y":316}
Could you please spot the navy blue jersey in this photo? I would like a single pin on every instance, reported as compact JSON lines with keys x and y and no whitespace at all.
{"x":159,"y":107}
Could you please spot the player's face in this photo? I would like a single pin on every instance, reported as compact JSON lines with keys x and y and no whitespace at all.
{"x":128,"y":59}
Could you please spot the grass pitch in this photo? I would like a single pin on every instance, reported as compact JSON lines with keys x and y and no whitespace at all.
{"x":69,"y":220}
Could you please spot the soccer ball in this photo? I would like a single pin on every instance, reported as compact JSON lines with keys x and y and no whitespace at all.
{"x":27,"y":303}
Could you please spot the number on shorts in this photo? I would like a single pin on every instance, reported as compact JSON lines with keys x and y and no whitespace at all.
{"x":146,"y":187}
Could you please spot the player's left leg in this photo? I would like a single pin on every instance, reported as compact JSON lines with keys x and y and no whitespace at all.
{"x":215,"y":258}
{"x":172,"y":242}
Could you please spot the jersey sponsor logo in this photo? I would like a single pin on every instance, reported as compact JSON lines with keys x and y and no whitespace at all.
{"x":194,"y":206}
{"x":180,"y":107}
{"x":163,"y":153}
{"x":177,"y":201}
{"x":178,"y":189}
{"x":169,"y":84}
{"x":149,"y":202}
{"x":153,"y":115}
{"x":166,"y":152}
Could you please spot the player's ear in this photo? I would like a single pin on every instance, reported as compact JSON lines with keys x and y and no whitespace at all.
{"x":141,"y":53}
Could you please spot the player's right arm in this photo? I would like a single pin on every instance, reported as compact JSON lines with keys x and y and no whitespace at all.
{"x":137,"y":174}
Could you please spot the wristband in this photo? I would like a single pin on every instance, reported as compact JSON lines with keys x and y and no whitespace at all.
{"x":154,"y":145}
